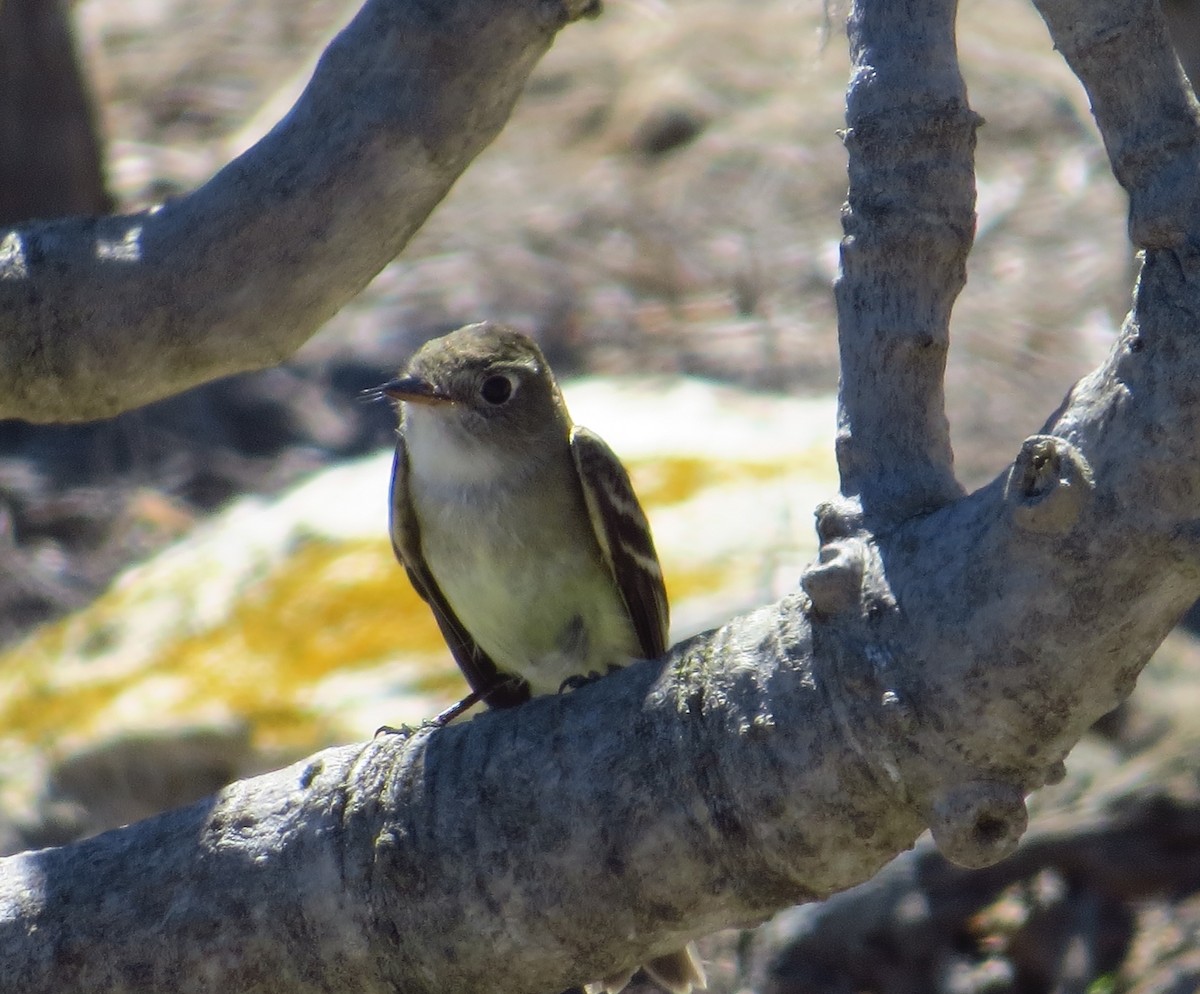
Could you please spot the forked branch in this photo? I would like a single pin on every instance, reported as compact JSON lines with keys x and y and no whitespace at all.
{"x":942,"y":659}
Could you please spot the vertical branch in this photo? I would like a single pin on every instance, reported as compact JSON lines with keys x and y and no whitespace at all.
{"x":909,"y":223}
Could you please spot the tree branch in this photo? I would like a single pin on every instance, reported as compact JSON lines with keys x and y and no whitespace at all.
{"x":1144,"y":105}
{"x":517,"y":852}
{"x":909,"y":222}
{"x":100,"y":315}
{"x":931,"y":673}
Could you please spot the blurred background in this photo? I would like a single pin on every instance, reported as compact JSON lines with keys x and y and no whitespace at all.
{"x":664,"y":203}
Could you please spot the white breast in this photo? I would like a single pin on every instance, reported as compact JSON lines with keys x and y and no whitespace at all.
{"x":444,"y":452}
{"x":516,"y":559}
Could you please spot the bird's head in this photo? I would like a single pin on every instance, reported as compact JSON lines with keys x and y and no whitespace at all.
{"x":484,"y":387}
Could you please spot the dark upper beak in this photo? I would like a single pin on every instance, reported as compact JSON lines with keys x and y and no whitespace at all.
{"x":415,"y":390}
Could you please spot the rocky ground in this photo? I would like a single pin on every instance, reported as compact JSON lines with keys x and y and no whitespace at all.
{"x":666,"y":198}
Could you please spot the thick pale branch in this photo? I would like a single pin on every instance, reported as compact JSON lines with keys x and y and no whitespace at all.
{"x":786,"y":756}
{"x":101,"y":315}
{"x":519,"y":852}
{"x":909,"y":222}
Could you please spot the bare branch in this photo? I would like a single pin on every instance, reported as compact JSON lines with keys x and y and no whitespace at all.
{"x":909,"y":222}
{"x":362,"y":868}
{"x":933,"y":672}
{"x":1121,"y":52}
{"x":101,"y":315}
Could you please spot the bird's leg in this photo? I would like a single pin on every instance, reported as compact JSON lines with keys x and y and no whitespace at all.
{"x":444,"y":718}
{"x":439,"y":720}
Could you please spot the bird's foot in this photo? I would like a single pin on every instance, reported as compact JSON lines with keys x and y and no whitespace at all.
{"x":404,"y":731}
{"x":578,"y":680}
{"x":439,"y":720}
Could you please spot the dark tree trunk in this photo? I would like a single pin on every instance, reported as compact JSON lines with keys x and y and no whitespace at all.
{"x":49,"y":152}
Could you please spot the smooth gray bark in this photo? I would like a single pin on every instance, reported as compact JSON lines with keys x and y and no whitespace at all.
{"x":100,"y":315}
{"x":939,"y":663}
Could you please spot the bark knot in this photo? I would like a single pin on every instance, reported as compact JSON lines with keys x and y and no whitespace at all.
{"x":1049,"y":485}
{"x":1056,"y":773}
{"x":834,"y":582}
{"x":978,"y":822}
{"x":839,"y":518}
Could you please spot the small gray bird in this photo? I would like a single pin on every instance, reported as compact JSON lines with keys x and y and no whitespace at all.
{"x":523,"y":533}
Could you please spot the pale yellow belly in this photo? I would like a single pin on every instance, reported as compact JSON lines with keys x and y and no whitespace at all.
{"x":539,"y":601}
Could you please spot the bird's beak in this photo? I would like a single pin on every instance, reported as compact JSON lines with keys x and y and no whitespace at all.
{"x":415,"y":390}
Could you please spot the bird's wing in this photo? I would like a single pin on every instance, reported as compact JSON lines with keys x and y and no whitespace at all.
{"x":498,"y":690}
{"x":624,"y":536}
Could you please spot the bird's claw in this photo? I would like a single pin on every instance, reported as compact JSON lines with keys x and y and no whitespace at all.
{"x":578,"y":680}
{"x":404,"y":731}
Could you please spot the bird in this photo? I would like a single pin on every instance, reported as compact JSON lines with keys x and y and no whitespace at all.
{"x":522,"y":532}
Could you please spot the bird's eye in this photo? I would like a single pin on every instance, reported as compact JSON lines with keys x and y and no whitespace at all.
{"x":496,"y":390}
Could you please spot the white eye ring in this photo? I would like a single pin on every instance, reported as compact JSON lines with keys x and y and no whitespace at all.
{"x":497,"y":389}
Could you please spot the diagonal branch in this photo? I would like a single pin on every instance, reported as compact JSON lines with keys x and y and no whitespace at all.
{"x":100,"y":315}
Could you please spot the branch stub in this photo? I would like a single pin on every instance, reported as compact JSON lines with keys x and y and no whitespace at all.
{"x":834,"y":584}
{"x":1048,"y":486}
{"x":838,"y":518}
{"x":979,"y":822}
